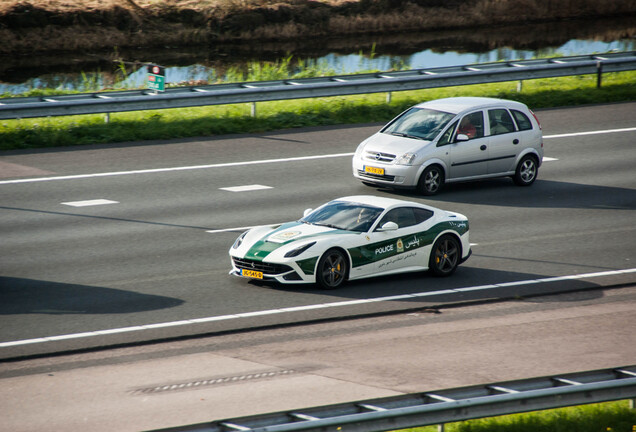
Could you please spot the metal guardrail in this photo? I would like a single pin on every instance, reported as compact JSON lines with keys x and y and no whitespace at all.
{"x":439,"y":407}
{"x":218,"y":94}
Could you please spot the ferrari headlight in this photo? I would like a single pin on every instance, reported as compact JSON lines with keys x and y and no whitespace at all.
{"x":239,"y":240}
{"x":295,"y":252}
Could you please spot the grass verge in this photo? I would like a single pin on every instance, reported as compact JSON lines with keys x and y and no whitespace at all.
{"x":230,"y":119}
{"x":603,"y":417}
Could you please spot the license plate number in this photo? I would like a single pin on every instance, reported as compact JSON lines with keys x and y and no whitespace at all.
{"x":374,"y":170}
{"x":252,"y":274}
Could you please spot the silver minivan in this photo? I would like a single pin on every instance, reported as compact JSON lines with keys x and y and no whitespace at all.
{"x":452,"y":140}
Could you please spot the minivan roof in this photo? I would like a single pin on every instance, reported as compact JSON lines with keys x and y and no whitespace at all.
{"x":456,"y":105}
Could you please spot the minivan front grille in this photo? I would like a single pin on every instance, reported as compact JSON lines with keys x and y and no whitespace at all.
{"x":384,"y":177}
{"x":379,"y":156}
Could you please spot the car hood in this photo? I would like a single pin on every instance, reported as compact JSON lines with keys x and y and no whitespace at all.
{"x":293,"y":231}
{"x":259,"y":242}
{"x":387,"y":143}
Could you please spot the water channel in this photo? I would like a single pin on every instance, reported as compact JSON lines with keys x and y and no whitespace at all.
{"x":95,"y":71}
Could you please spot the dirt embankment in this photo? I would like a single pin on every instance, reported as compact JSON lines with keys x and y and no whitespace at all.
{"x":39,"y":26}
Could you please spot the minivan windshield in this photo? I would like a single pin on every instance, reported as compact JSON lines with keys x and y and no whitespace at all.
{"x":419,"y":123}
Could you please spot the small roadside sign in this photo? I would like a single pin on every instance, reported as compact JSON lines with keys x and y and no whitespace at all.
{"x":156,"y":78}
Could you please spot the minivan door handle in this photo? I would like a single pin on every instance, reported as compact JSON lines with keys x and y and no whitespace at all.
{"x":515,"y":141}
{"x":483,"y":147}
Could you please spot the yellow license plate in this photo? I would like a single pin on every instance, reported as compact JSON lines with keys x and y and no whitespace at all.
{"x":374,"y":170}
{"x":252,"y":274}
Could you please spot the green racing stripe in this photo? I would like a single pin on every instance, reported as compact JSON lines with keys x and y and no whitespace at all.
{"x":261,"y":248}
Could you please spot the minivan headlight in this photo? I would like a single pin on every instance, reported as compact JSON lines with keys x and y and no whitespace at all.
{"x":406,"y":159}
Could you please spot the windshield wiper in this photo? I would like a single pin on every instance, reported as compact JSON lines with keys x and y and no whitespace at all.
{"x":405,"y":135}
{"x":327,"y":225}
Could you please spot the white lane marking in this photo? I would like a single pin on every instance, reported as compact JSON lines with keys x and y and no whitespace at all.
{"x":184,"y":168}
{"x":245,"y":188}
{"x":256,"y":162}
{"x":238,"y":229}
{"x":88,"y":203}
{"x":549,"y":159}
{"x":575,"y":134}
{"x":313,"y":306}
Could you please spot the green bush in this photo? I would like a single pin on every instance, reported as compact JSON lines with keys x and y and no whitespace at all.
{"x":604,"y":417}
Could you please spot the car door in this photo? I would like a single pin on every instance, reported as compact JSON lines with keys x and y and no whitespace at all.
{"x":404,"y":247}
{"x":504,"y":141}
{"x":469,"y":158}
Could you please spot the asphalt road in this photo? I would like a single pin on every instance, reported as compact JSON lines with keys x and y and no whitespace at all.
{"x":144,"y":265}
{"x":291,"y":368}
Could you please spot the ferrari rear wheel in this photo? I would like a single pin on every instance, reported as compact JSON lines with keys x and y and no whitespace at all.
{"x":445,"y":256}
{"x":332,"y":269}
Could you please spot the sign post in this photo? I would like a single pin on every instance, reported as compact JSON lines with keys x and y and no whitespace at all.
{"x":156,"y":78}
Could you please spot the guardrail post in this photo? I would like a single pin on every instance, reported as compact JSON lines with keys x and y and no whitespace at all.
{"x":519,"y":86}
{"x":599,"y":74}
{"x":388,"y":97}
{"x":440,"y":427}
{"x":632,"y":403}
{"x":253,"y":111}
{"x":107,"y":118}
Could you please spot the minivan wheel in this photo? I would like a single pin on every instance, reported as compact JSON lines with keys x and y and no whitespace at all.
{"x":431,"y":181}
{"x":527,"y":171}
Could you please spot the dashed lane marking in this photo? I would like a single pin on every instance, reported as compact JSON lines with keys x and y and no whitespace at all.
{"x":246,"y":188}
{"x":88,"y":203}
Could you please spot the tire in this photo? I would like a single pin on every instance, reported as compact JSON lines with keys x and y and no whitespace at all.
{"x":445,"y":256}
{"x":526,"y":172}
{"x":431,"y":181}
{"x":332,"y":269}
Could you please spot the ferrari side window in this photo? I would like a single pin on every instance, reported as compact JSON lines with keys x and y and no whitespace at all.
{"x":402,"y":216}
{"x":422,"y":215}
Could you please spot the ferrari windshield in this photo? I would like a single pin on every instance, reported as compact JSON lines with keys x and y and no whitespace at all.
{"x":419,"y":123}
{"x":344,"y":215}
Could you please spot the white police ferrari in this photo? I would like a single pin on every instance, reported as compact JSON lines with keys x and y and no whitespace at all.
{"x":352,"y":238}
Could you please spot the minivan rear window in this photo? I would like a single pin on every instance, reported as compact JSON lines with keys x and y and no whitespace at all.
{"x":523,"y":122}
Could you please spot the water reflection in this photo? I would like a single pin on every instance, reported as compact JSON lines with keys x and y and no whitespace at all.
{"x":90,"y":72}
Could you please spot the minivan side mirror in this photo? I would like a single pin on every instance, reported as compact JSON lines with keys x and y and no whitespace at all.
{"x":461,"y":137}
{"x":307,"y":211}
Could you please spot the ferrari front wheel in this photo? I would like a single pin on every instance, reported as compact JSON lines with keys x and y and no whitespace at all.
{"x":332,"y":269}
{"x":445,"y":256}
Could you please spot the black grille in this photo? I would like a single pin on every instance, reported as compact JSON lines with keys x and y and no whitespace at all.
{"x":266,"y":268}
{"x":376,"y":176}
